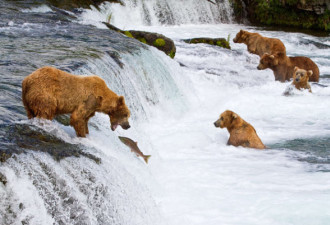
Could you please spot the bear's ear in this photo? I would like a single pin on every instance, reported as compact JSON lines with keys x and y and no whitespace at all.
{"x":120,"y":101}
{"x":309,"y":73}
{"x":274,"y":60}
{"x":234,"y":115}
{"x":296,"y":68}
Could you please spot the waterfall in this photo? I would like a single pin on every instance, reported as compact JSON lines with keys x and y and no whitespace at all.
{"x":159,"y":12}
{"x":80,"y":190}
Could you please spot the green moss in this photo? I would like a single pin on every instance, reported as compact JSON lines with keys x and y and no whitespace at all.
{"x":160,"y":42}
{"x":239,"y":9}
{"x":274,"y":12}
{"x":128,"y":34}
{"x":172,"y":54}
{"x":223,"y":44}
{"x":143,"y":40}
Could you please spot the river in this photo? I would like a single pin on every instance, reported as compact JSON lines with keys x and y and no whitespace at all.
{"x":193,"y":177}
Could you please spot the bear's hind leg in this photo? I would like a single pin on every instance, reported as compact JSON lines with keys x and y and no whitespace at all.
{"x":44,"y":107}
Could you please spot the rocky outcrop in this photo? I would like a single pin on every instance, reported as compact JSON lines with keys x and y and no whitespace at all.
{"x":3,"y":179}
{"x":221,"y":42}
{"x":28,"y":138}
{"x":72,"y":4}
{"x":317,"y":6}
{"x":156,"y":40}
{"x":311,"y":14}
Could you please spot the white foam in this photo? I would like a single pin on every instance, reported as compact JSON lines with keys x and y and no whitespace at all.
{"x":135,"y":13}
{"x":39,"y":9}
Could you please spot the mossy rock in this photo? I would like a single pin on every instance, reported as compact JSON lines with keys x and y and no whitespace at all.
{"x":156,"y":40}
{"x":221,"y":42}
{"x":159,"y":42}
{"x":172,"y":54}
{"x":143,"y":40}
{"x":292,"y":13}
{"x":128,"y":34}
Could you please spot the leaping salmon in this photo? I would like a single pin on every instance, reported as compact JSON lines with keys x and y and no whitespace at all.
{"x":134,"y":148}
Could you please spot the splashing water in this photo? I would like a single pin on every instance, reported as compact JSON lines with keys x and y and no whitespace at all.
{"x":193,"y":177}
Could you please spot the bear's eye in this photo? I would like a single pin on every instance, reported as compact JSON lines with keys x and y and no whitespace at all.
{"x":221,"y":118}
{"x":301,"y":74}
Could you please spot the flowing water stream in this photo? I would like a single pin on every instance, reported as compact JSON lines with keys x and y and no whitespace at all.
{"x":193,"y":177}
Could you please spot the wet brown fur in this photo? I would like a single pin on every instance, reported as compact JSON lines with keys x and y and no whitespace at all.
{"x":49,"y":91}
{"x":241,"y":132}
{"x":283,"y":66}
{"x":301,"y":77}
{"x":259,"y":45}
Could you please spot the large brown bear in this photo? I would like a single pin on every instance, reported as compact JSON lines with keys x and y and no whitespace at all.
{"x":241,"y":132}
{"x":258,"y":44}
{"x":283,"y":66}
{"x":49,"y":91}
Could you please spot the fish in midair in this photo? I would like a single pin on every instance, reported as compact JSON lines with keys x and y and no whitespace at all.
{"x":134,"y":148}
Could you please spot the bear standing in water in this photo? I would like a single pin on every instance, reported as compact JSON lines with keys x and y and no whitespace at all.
{"x":283,"y":66}
{"x":259,"y":45}
{"x":241,"y":132}
{"x":48,"y":92}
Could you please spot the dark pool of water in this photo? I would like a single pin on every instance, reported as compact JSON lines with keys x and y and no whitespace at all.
{"x":315,"y":151}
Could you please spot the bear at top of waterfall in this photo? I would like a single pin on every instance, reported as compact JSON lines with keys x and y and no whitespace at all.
{"x":259,"y":45}
{"x":49,"y":91}
{"x":283,"y":66}
{"x":241,"y":133}
{"x":301,"y":77}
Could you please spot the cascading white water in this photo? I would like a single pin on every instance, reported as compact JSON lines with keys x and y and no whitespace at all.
{"x":78,"y":190}
{"x":160,"y":12}
{"x":193,"y":177}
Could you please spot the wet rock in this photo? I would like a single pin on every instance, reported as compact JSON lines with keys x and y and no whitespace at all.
{"x":22,"y":138}
{"x":3,"y":179}
{"x":156,"y":40}
{"x":73,"y":4}
{"x":116,"y":57}
{"x":314,"y":14}
{"x":221,"y":42}
{"x":63,"y":119}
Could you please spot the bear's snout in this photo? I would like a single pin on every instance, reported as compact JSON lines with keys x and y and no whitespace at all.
{"x":125,"y":126}
{"x":216,"y":124}
{"x":235,"y":40}
{"x":259,"y":67}
{"x":297,"y":79}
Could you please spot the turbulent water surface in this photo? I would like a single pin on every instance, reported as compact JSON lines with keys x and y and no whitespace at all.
{"x":193,"y":177}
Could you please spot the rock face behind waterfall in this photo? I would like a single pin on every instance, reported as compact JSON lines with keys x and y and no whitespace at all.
{"x":156,"y":40}
{"x":314,"y":14}
{"x":221,"y":42}
{"x":72,"y":4}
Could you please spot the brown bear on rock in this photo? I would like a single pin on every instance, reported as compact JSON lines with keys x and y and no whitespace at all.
{"x":259,"y":45}
{"x":49,"y":91}
{"x":283,"y":66}
{"x":241,"y":132}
